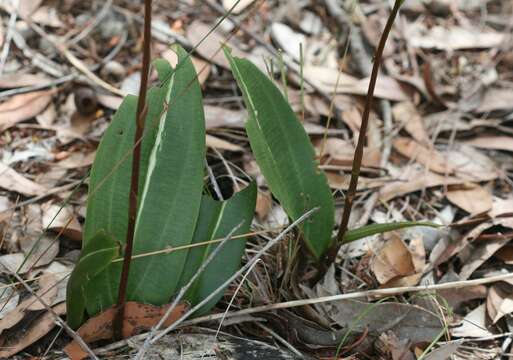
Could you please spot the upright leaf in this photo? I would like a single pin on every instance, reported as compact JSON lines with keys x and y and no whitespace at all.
{"x":96,"y":256}
{"x":109,"y":185}
{"x":170,"y":200}
{"x":216,"y":220}
{"x":285,"y":154}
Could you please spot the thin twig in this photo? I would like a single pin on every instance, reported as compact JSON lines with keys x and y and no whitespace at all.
{"x":182,"y":292}
{"x":242,"y":270}
{"x":358,"y":155}
{"x":134,"y":183}
{"x":58,"y":319}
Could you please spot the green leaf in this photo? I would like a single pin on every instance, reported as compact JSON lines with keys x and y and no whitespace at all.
{"x":109,"y":185}
{"x":100,"y":251}
{"x":170,"y":200}
{"x":216,"y":220}
{"x":285,"y":154}
{"x":372,"y":229}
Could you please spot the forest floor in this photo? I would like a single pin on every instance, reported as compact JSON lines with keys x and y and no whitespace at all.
{"x":439,"y":148}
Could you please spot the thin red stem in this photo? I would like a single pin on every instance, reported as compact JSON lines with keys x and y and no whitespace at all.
{"x":134,"y":184}
{"x":331,"y":254}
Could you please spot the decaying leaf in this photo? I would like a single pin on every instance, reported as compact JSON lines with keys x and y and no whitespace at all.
{"x":393,"y":260}
{"x":138,"y":317}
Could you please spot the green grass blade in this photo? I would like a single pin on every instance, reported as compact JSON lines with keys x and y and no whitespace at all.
{"x":285,"y":154}
{"x":101,"y":250}
{"x":373,"y":229}
{"x":170,"y":201}
{"x":217,"y":219}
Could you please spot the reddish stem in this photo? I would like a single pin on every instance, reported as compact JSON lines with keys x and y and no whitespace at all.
{"x":332,"y":252}
{"x":134,"y":184}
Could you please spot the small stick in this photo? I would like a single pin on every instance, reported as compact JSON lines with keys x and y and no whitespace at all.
{"x":332,"y":252}
{"x":58,"y":319}
{"x":134,"y":184}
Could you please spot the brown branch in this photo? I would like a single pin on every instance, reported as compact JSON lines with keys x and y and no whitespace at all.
{"x":332,"y":252}
{"x":134,"y":184}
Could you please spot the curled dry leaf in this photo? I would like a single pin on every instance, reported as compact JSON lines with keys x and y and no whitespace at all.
{"x":23,"y":107}
{"x":472,"y":198}
{"x":499,"y":302}
{"x":138,"y":317}
{"x":39,"y":328}
{"x":394,"y":259}
{"x":61,"y":219}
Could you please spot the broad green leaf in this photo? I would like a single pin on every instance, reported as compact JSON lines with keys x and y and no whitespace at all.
{"x":285,"y":154}
{"x":170,"y":200}
{"x":96,"y":256}
{"x":109,"y":185}
{"x":372,"y":229}
{"x":216,"y":220}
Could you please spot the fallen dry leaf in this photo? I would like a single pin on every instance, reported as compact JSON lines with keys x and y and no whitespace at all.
{"x":13,"y":181}
{"x":406,"y":114}
{"x":476,"y":253}
{"x":341,"y":182}
{"x":392,"y":260}
{"x":138,"y":317}
{"x":20,"y":80}
{"x":473,"y":324}
{"x":237,"y":6}
{"x":492,"y":142}
{"x":326,"y":78}
{"x":413,"y":179}
{"x":217,"y":116}
{"x":264,"y":204}
{"x":472,"y":198}
{"x":23,"y":107}
{"x":61,"y":219}
{"x":496,"y":99}
{"x":452,"y":38}
{"x":47,"y":293}
{"x":77,"y":160}
{"x":39,"y":328}
{"x":340,"y":152}
{"x":470,"y":164}
{"x":429,"y":157}
{"x":499,"y":302}
{"x":221,"y":144}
